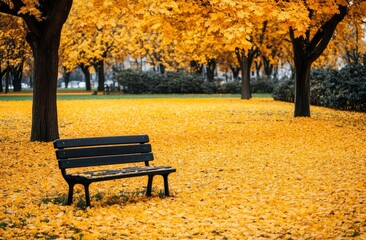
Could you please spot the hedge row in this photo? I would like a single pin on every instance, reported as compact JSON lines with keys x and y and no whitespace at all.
{"x":343,"y":89}
{"x":137,"y":82}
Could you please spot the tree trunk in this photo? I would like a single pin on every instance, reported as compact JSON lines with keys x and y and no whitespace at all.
{"x":302,"y":90}
{"x":17,"y":73}
{"x":245,"y":62}
{"x":258,"y":66}
{"x":245,"y":82}
{"x":161,"y":68}
{"x":211,"y":67}
{"x":99,"y":68}
{"x":306,"y":51}
{"x":268,"y":67}
{"x":7,"y":81}
{"x":44,"y":112}
{"x":85,"y":70}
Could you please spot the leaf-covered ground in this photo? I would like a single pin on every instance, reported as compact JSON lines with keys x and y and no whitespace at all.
{"x":245,"y":170}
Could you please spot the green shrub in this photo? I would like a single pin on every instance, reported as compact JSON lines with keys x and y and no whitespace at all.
{"x":261,"y":86}
{"x":344,"y":89}
{"x":319,"y":85}
{"x":284,"y":90}
{"x":137,"y":82}
{"x":233,"y":87}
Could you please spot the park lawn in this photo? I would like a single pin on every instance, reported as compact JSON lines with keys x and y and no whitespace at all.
{"x":84,"y":95}
{"x":246,"y":169}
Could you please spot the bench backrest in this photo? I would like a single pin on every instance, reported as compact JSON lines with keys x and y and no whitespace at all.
{"x":85,"y":152}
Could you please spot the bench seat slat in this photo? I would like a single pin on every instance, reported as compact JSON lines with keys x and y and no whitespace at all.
{"x":81,"y":142}
{"x":102,"y":151}
{"x":108,"y":160}
{"x":102,"y":175}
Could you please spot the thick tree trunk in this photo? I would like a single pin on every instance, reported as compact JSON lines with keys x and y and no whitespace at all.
{"x":85,"y":70}
{"x":245,"y":82}
{"x":306,"y":51}
{"x":302,"y":77}
{"x":245,"y":62}
{"x":17,"y":74}
{"x":44,"y":111}
{"x":99,"y":68}
{"x":268,"y":67}
{"x":302,"y":90}
{"x":211,"y":67}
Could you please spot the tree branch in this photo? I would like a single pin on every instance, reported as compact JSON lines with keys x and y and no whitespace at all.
{"x":5,"y":8}
{"x":324,"y":34}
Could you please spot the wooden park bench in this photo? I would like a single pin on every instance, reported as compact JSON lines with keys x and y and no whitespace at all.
{"x":96,"y":152}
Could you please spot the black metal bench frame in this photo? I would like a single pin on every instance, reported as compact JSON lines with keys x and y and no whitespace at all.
{"x":101,"y":151}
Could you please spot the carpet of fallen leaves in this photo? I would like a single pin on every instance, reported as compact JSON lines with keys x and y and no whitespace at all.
{"x":245,"y":170}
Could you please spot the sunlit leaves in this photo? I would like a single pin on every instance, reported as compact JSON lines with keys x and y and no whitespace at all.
{"x":245,"y":169}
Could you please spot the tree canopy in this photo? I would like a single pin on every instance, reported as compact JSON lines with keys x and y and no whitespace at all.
{"x":172,"y":34}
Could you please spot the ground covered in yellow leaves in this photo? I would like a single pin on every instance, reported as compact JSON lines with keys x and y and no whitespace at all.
{"x":245,"y":170}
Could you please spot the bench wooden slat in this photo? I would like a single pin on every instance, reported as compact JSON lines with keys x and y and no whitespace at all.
{"x":108,"y":160}
{"x":124,"y":172}
{"x":82,"y":142}
{"x":102,"y":151}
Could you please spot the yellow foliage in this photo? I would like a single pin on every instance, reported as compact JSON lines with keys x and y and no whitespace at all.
{"x":245,"y":170}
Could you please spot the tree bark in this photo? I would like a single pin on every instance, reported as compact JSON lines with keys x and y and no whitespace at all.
{"x":17,"y":73}
{"x":99,"y":68}
{"x":44,"y":111}
{"x":258,"y":66}
{"x":7,"y":81}
{"x":210,"y":70}
{"x":302,"y":90}
{"x":85,"y":69}
{"x":245,"y":62}
{"x":268,"y":67}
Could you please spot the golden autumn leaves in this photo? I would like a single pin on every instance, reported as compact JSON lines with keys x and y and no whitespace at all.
{"x":245,"y":170}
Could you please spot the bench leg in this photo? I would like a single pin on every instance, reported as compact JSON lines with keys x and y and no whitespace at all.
{"x":166,"y":186}
{"x":87,"y":196}
{"x":149,"y":185}
{"x":71,"y":193}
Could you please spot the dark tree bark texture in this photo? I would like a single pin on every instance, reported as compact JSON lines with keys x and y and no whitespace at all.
{"x":210,"y":69}
{"x":17,"y":74}
{"x":245,"y":61}
{"x":85,"y":69}
{"x":99,"y":68}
